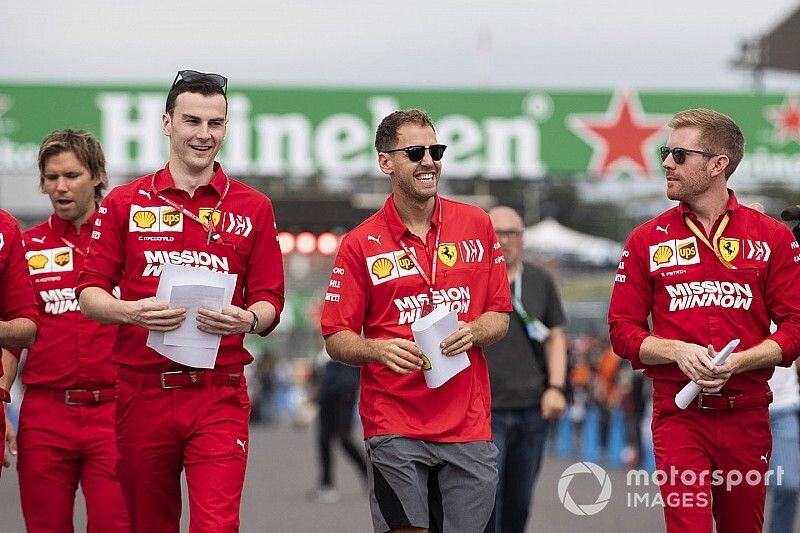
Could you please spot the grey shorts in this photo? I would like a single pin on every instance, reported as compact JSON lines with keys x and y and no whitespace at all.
{"x":447,"y":487}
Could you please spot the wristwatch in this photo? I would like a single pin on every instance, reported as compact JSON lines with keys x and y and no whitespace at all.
{"x":560,"y":388}
{"x":254,"y":323}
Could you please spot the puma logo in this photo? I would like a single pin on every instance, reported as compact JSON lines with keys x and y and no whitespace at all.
{"x":764,"y":458}
{"x":241,"y":443}
{"x":40,"y":240}
{"x":145,"y":193}
{"x":665,"y":230}
{"x":376,"y":239}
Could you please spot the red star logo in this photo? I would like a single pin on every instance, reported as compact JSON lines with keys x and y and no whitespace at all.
{"x":786,"y":118}
{"x":623,"y":138}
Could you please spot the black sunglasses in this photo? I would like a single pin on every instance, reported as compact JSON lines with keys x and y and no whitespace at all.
{"x":416,"y":153}
{"x":679,"y":154}
{"x":192,"y":75}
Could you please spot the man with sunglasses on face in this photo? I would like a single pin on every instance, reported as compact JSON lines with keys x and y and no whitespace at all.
{"x":708,"y":271}
{"x":171,"y":417}
{"x":66,"y":422}
{"x":433,"y":465}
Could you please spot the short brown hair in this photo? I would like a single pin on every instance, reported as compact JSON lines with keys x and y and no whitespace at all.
{"x":87,"y":150}
{"x":386,"y":136}
{"x":201,"y":85}
{"x":719,"y":134}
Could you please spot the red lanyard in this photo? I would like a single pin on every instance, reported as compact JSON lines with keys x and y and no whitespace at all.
{"x":74,"y":247}
{"x":434,"y":263}
{"x":210,"y":226}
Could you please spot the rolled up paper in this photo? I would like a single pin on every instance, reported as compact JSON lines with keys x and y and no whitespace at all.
{"x":692,"y":389}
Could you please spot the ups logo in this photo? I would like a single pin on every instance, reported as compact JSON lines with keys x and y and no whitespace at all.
{"x":405,"y":262}
{"x":171,"y":217}
{"x":62,"y":258}
{"x":687,"y":251}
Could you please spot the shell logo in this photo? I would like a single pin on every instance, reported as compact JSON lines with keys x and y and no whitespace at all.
{"x":662,"y":255}
{"x":37,"y":262}
{"x":62,"y":259}
{"x":144,"y":219}
{"x":382,"y":268}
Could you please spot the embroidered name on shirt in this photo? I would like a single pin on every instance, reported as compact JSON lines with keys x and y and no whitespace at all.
{"x":709,"y":294}
{"x":58,"y":301}
{"x":456,"y":299}
{"x":157,"y":259}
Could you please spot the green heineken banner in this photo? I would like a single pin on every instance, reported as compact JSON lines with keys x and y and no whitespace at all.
{"x":299,"y":133}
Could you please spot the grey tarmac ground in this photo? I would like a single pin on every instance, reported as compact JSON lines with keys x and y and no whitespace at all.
{"x":282,"y":470}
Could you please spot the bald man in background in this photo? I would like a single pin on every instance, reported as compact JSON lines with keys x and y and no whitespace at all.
{"x":527,"y":369}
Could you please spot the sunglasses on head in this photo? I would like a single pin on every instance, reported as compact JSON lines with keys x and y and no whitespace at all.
{"x":192,"y":75}
{"x":416,"y":153}
{"x":679,"y":154}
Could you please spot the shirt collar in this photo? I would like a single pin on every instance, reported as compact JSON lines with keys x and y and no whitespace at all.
{"x":396,"y":226}
{"x":163,"y":179}
{"x":730,"y":207}
{"x":65,"y":228}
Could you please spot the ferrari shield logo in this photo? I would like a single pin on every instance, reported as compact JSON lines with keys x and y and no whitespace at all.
{"x":448,"y":253}
{"x":729,"y":249}
{"x":205,"y":212}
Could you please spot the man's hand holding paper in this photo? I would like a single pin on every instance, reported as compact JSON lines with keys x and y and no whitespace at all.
{"x":232,"y":320}
{"x":398,"y":355}
{"x":460,"y":341}
{"x":155,"y":315}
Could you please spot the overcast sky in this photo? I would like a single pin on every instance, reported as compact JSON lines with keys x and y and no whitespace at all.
{"x":677,"y":44}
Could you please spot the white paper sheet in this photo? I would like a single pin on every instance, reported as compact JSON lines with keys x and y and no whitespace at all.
{"x":193,"y":297}
{"x":429,"y":331}
{"x":188,"y":345}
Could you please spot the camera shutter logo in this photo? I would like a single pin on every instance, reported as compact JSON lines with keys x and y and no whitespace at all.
{"x":602,"y":498}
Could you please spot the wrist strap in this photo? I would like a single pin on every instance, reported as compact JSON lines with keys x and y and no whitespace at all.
{"x":254,"y":324}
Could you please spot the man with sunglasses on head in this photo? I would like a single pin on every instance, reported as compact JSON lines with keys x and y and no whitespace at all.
{"x":66,"y":423}
{"x":706,"y":272}
{"x":171,"y":417}
{"x":433,"y":463}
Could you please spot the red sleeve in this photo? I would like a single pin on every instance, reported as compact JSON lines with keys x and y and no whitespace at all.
{"x":264,"y":272}
{"x":783,"y":293}
{"x":630,"y":303}
{"x":347,"y":297}
{"x":104,"y":264}
{"x":18,"y":299}
{"x":498,"y":294}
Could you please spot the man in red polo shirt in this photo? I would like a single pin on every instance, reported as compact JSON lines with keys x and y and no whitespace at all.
{"x":706,"y":272}
{"x":18,"y":317}
{"x":433,"y":464}
{"x":66,"y":423}
{"x":172,"y":417}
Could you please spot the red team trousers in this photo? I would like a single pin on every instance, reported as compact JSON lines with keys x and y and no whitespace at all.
{"x":60,"y":446}
{"x":709,"y":440}
{"x":201,"y":428}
